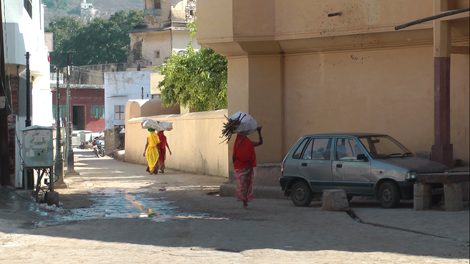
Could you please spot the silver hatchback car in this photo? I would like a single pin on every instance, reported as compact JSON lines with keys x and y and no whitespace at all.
{"x":362,"y":164}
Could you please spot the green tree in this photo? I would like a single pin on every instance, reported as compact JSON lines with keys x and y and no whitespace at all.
{"x":99,"y":42}
{"x":64,"y":28}
{"x":196,"y":79}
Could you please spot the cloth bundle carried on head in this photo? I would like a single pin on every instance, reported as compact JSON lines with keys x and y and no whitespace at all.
{"x":156,"y":125}
{"x":240,"y":123}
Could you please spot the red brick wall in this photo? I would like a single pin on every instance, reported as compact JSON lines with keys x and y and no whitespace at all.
{"x":87,"y":98}
{"x":14,"y":93}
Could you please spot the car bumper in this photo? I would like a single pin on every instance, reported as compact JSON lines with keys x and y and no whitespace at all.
{"x":406,"y":189}
{"x":284,"y":182}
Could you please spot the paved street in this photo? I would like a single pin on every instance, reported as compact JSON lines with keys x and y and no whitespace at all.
{"x":104,"y":218}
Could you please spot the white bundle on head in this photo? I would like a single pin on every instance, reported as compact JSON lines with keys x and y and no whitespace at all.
{"x":240,"y":123}
{"x":157,"y":125}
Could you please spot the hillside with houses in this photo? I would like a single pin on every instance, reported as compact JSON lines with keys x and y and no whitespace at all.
{"x":86,"y":8}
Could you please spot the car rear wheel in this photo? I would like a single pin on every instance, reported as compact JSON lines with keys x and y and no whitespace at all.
{"x":389,"y":195}
{"x":301,"y":194}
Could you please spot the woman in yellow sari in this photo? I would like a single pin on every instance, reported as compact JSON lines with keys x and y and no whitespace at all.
{"x":151,"y":151}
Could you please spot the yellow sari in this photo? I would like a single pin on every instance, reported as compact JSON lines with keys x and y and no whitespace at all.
{"x":152,"y":151}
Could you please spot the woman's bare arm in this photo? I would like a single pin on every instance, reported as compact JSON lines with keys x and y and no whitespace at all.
{"x":168,"y":146}
{"x":260,"y":142}
{"x":145,"y":149}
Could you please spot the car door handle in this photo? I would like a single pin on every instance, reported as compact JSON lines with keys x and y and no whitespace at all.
{"x":339,"y":165}
{"x":304,"y":164}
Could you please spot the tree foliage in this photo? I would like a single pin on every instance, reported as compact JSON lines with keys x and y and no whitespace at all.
{"x":64,"y":28}
{"x":99,"y":42}
{"x":196,"y":79}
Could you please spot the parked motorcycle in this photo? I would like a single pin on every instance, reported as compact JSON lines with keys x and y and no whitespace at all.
{"x":98,"y":147}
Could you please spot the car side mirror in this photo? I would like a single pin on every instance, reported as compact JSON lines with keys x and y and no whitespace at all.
{"x":362,"y":157}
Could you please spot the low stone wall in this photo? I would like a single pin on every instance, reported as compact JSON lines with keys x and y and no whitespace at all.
{"x":267,"y":174}
{"x":194,"y":141}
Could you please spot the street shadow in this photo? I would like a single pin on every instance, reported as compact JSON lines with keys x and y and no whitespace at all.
{"x":210,"y":222}
{"x":221,"y":228}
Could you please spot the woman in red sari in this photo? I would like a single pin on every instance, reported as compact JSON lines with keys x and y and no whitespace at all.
{"x":162,"y":149}
{"x":244,"y":161}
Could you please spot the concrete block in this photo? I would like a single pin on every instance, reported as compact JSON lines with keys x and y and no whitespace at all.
{"x":119,"y":154}
{"x":453,"y":196}
{"x":422,"y":199}
{"x":52,"y":198}
{"x":335,"y":200}
{"x":228,"y":190}
{"x":267,"y":174}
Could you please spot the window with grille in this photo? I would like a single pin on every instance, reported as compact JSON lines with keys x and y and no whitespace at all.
{"x":97,"y":111}
{"x":119,"y":112}
{"x":157,"y":4}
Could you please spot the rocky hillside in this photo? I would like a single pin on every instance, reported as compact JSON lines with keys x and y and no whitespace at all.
{"x":107,"y":7}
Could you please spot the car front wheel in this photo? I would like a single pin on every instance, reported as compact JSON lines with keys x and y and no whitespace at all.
{"x":301,"y":194}
{"x":389,"y":195}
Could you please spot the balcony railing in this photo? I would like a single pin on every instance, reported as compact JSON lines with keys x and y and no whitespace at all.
{"x":53,"y":78}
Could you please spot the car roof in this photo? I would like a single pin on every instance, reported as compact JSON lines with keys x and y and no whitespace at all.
{"x":354,"y":134}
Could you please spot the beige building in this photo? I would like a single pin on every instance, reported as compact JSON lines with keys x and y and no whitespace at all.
{"x":162,"y":31}
{"x":304,"y":67}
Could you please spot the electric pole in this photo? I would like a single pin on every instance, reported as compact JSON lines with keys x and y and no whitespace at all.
{"x":28,"y":93}
{"x":59,"y":162}
{"x":27,"y":173}
{"x":70,"y":158}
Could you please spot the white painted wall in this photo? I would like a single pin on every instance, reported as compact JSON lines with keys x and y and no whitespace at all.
{"x":22,"y":34}
{"x":119,"y":87}
{"x":180,"y":40}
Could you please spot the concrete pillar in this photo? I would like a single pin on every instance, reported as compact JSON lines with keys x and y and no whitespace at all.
{"x":257,"y":89}
{"x":442,"y":150}
{"x":422,"y":196}
{"x":453,"y":196}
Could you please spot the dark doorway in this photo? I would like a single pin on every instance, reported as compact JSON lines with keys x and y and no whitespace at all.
{"x":78,"y":117}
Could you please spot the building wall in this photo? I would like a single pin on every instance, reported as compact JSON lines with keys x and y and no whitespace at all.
{"x":86,"y":98}
{"x":121,"y":87}
{"x":170,"y":10}
{"x":156,"y":41}
{"x":41,"y":95}
{"x":352,"y":72}
{"x":93,"y":74}
{"x":24,"y":33}
{"x":180,"y":41}
{"x":194,"y":141}
{"x":155,"y":79}
{"x":358,"y":92}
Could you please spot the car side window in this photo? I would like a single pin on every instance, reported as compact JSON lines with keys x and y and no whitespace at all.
{"x":347,"y":149}
{"x":318,"y":148}
{"x":298,"y":151}
{"x":308,"y":150}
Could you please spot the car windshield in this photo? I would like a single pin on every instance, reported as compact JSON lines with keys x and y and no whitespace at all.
{"x":384,"y":147}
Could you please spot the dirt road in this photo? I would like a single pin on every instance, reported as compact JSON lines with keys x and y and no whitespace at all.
{"x":104,"y":219}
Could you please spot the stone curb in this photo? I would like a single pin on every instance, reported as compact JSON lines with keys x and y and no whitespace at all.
{"x":268,"y":192}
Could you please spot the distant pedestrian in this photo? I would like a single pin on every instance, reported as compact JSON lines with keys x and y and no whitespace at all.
{"x":162,"y":148}
{"x":244,"y":162}
{"x":152,"y":152}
